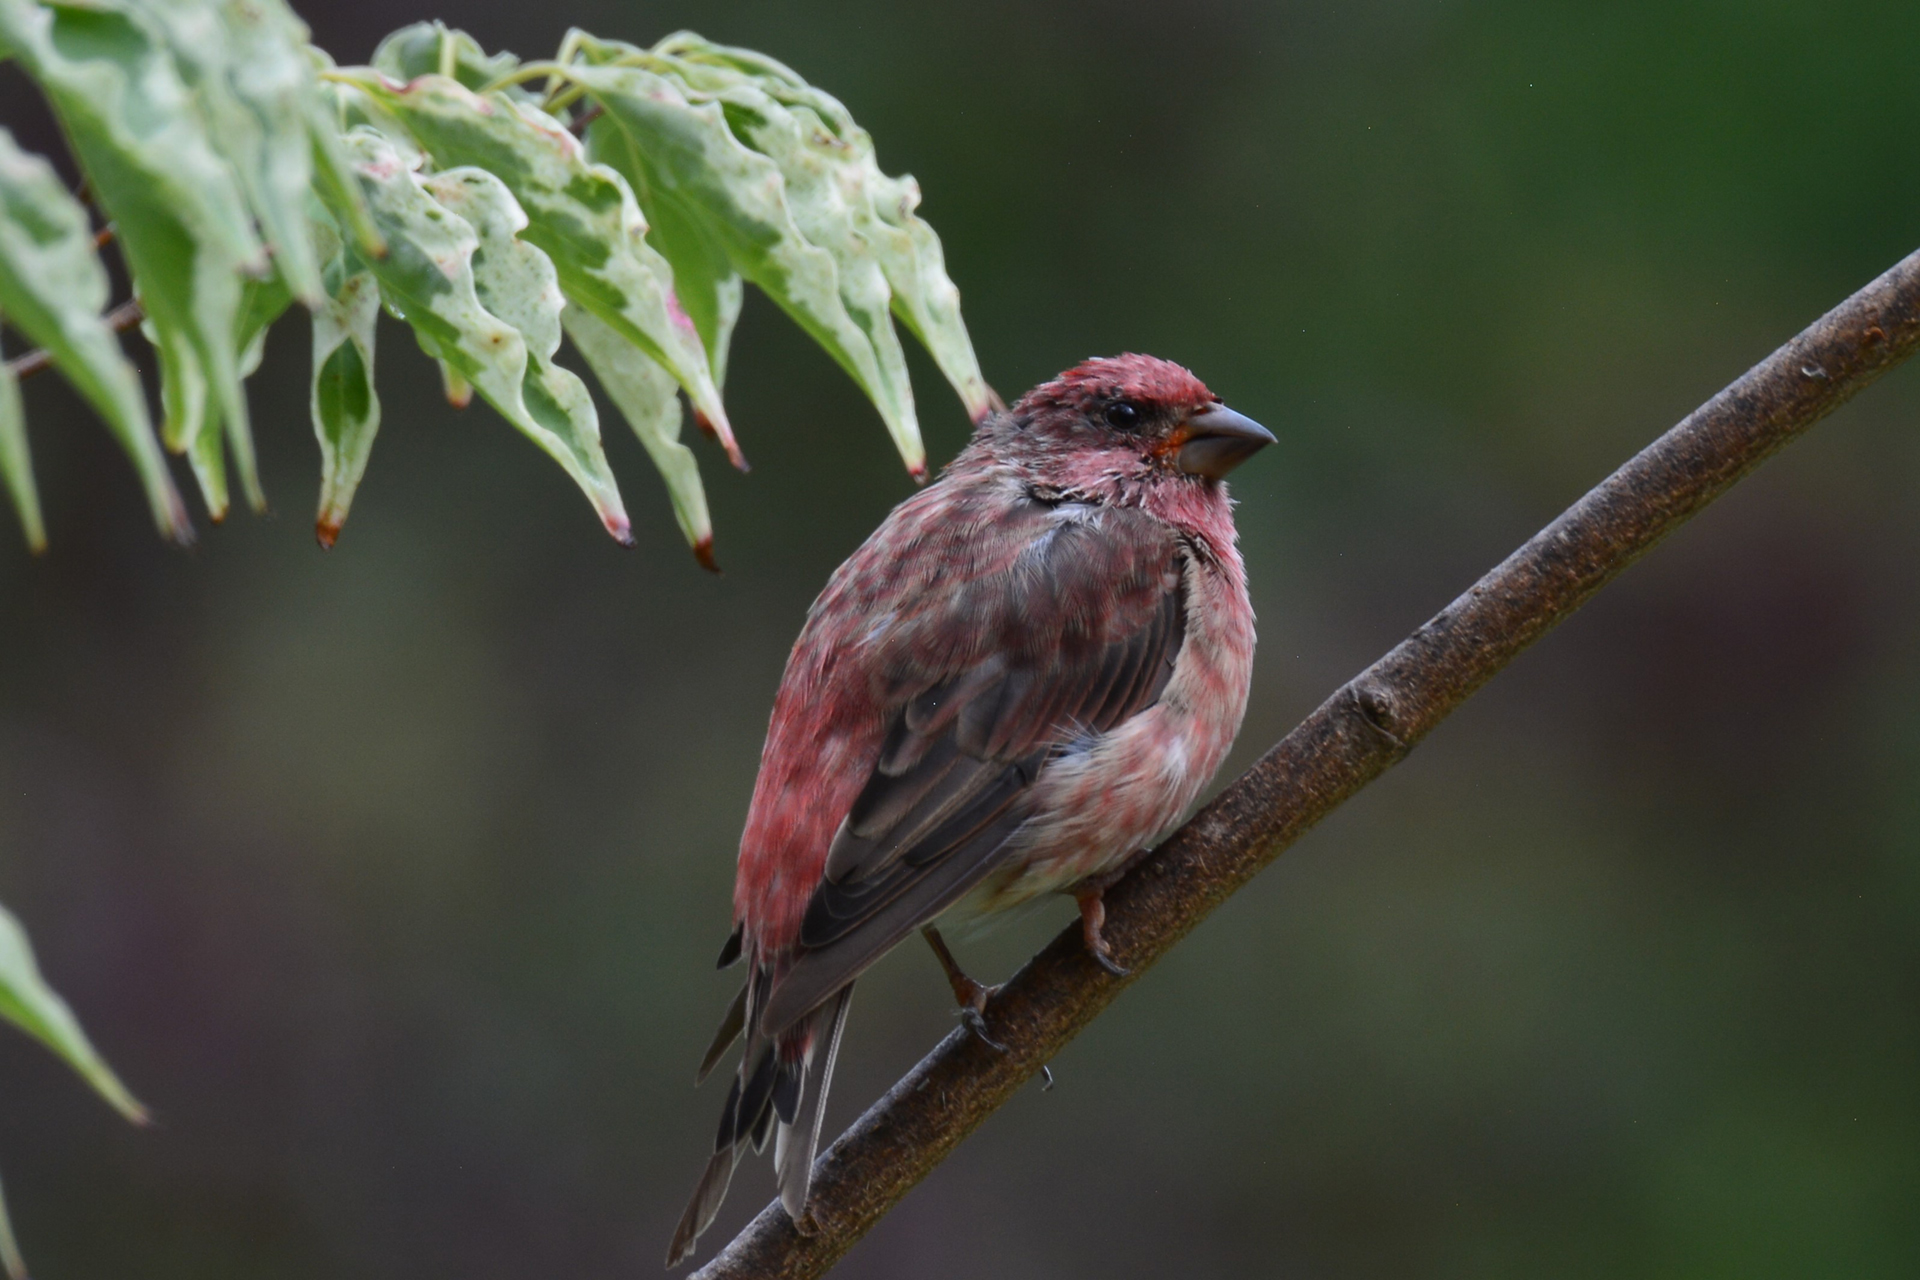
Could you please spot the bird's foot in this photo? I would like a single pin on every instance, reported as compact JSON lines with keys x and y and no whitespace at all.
{"x":972,"y":996}
{"x":1093,"y":917}
{"x":977,"y":1024}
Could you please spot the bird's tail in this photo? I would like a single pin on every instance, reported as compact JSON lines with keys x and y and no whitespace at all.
{"x":769,"y":1093}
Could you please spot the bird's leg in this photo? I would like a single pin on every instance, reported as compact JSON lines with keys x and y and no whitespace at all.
{"x":1091,"y":895}
{"x":972,"y":995}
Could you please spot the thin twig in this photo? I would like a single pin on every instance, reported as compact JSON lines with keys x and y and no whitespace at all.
{"x":120,"y":319}
{"x":580,"y":122}
{"x":1363,"y":729}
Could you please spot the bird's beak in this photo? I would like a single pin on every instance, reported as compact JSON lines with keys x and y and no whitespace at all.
{"x":1218,"y":440}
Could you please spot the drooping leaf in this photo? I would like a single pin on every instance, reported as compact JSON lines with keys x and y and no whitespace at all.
{"x":458,"y":391}
{"x":334,"y":185}
{"x":10,"y":1259}
{"x":582,"y":215}
{"x":16,"y":463}
{"x":190,"y":422}
{"x":261,"y":303}
{"x":646,"y":396}
{"x":52,"y":288}
{"x":882,"y":207}
{"x":178,"y":214}
{"x":346,"y":410}
{"x":254,"y":85}
{"x":819,"y":203}
{"x":517,"y":282}
{"x":690,"y":171}
{"x":30,"y":1004}
{"x":430,"y":278}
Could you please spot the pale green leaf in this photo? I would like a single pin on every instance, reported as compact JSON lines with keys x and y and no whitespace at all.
{"x":254,"y":85}
{"x":346,"y":411}
{"x":53,"y":288}
{"x":334,"y":185}
{"x":16,"y":463}
{"x":881,"y":208}
{"x":924,"y":296}
{"x":690,"y":171}
{"x":261,"y":303}
{"x":581,"y":215}
{"x":190,"y":421}
{"x":178,"y":214}
{"x":821,"y":209}
{"x":458,"y":391}
{"x":30,"y":1004}
{"x":432,"y":277}
{"x":433,"y":48}
{"x":10,"y":1259}
{"x":646,"y":396}
{"x":517,"y":282}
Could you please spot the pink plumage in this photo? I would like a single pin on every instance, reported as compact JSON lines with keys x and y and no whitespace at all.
{"x":1020,"y":680}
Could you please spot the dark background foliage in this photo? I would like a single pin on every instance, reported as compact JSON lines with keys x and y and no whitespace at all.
{"x":391,"y":878}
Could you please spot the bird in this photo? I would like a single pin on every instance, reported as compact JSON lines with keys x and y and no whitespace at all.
{"x":1017,"y":683}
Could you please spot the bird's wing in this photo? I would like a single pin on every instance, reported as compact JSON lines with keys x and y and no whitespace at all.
{"x":1079,"y":632}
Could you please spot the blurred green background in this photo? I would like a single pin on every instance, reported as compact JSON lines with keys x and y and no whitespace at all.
{"x":391,"y":878}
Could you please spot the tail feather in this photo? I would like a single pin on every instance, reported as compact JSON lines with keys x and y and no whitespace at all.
{"x":769,"y":1097}
{"x":723,"y":1038}
{"x":745,"y":1107}
{"x":704,"y":1206}
{"x":793,"y":1155}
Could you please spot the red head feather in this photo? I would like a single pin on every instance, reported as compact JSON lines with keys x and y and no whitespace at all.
{"x":1145,"y":380}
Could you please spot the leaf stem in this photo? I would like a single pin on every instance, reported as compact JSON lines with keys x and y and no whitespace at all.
{"x":527,"y":71}
{"x":120,"y":319}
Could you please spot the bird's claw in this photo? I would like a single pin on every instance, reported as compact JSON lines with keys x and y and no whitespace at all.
{"x":977,"y":1023}
{"x":1093,"y":916}
{"x":972,"y":996}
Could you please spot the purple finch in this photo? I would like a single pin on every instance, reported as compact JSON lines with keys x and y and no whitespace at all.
{"x":1024,"y":677}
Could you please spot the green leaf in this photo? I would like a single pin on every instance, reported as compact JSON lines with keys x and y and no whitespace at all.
{"x":10,"y":1259}
{"x":261,"y":303}
{"x":881,"y":208}
{"x":52,"y":288}
{"x":517,"y":282}
{"x":346,"y":411}
{"x":178,"y":214}
{"x":690,"y":170}
{"x":187,"y":422}
{"x":30,"y":1004}
{"x":646,"y":396}
{"x":437,"y":267}
{"x":821,"y":209}
{"x":334,"y":185}
{"x":190,"y":421}
{"x":433,"y":48}
{"x":583,"y":216}
{"x":16,"y":464}
{"x":254,"y":85}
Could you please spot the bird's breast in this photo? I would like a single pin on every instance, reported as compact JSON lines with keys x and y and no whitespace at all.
{"x":1110,"y":795}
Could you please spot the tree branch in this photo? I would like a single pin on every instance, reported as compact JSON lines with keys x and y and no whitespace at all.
{"x":1363,"y":729}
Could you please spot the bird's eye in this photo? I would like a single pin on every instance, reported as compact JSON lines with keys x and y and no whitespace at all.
{"x":1122,"y":416}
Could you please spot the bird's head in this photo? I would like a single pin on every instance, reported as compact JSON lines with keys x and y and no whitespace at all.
{"x":1116,"y":424}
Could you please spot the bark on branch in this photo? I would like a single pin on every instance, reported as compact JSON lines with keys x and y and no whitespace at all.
{"x":1363,"y":729}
